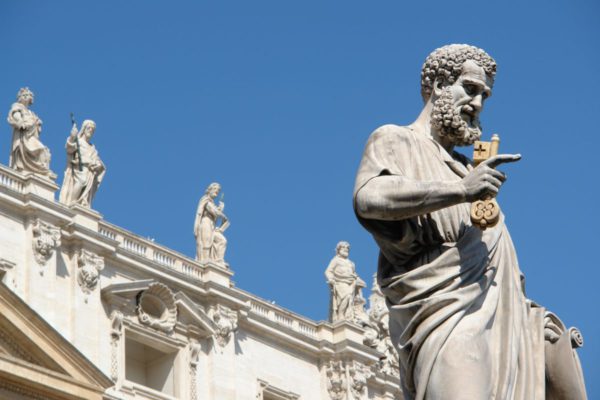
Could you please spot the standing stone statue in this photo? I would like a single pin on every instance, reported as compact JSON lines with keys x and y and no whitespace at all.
{"x":458,"y":313}
{"x":210,"y":241}
{"x":345,"y":285}
{"x":28,"y":153}
{"x":85,"y":169}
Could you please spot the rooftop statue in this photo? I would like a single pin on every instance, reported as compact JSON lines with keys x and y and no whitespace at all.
{"x":210,"y":241}
{"x":85,"y":169}
{"x":458,"y":313}
{"x":28,"y":153}
{"x":347,"y":302}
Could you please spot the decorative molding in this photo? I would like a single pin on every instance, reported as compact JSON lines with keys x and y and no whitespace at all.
{"x":194,"y":358}
{"x":6,"y":266}
{"x":227,"y":322}
{"x":116,"y":331}
{"x":9,"y":345}
{"x":156,"y":308}
{"x":22,"y":391}
{"x":88,"y":273}
{"x":46,"y":238}
{"x":359,"y":374}
{"x":266,"y":389}
{"x":337,"y":385}
{"x":377,"y":332}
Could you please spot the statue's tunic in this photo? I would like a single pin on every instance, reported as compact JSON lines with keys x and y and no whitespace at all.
{"x":209,"y":241}
{"x":28,"y":153}
{"x":458,"y":315}
{"x":341,"y":273}
{"x":80,"y":186}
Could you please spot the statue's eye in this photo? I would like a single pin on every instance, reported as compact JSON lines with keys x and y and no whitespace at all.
{"x":470,"y":89}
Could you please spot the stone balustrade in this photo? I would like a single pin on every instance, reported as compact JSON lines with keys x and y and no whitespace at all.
{"x":151,"y":251}
{"x":282,"y":317}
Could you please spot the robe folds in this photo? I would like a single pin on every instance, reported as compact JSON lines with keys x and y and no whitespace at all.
{"x":459,"y":317}
{"x":28,"y":153}
{"x":80,"y":185}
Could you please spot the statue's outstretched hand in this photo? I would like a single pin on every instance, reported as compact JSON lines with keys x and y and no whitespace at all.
{"x":484,"y":181}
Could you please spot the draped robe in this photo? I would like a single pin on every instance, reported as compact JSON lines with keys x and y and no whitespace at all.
{"x":80,"y":186}
{"x":210,"y":243}
{"x":28,"y":153}
{"x":342,"y":275}
{"x":459,"y":318}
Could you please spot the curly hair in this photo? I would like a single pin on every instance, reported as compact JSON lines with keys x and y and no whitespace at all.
{"x":23,"y":91}
{"x":342,"y":244}
{"x":446,"y":63}
{"x":212,"y":186}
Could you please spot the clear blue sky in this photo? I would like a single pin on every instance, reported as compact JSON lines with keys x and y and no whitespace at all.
{"x":275,"y":100}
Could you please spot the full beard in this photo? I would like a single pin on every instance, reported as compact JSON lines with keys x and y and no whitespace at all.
{"x":448,"y":120}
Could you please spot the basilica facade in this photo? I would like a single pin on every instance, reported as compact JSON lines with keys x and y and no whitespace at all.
{"x":92,"y":310}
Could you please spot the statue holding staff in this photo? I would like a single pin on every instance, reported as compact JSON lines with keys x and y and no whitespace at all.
{"x":85,"y":170}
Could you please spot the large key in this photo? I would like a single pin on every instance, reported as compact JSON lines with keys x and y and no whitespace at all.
{"x":485,"y":213}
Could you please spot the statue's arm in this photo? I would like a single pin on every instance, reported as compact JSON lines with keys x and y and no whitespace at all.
{"x":15,"y":118}
{"x":394,"y":197}
{"x":329,"y":271}
{"x":71,"y":144}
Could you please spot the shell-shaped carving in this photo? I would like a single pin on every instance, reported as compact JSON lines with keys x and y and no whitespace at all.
{"x":156,"y":308}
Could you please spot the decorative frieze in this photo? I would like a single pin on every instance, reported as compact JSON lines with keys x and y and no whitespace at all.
{"x":88,"y":272}
{"x":46,"y":238}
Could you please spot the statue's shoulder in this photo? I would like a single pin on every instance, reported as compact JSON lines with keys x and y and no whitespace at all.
{"x":17,"y":107}
{"x":392,"y":134}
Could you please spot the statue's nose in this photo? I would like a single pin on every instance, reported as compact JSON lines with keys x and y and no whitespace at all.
{"x":476,"y":102}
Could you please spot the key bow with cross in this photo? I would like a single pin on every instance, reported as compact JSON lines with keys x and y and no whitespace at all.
{"x":485,"y":213}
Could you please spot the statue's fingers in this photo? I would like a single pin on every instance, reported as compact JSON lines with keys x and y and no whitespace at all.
{"x":501,"y":176}
{"x":494,"y":181}
{"x":494,"y":161}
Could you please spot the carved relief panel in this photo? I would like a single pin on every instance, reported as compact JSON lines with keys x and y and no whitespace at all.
{"x":46,"y":238}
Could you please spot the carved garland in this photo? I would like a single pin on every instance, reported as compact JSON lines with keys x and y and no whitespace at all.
{"x":227,"y":322}
{"x":88,"y":274}
{"x":337,"y":385}
{"x":359,"y":374}
{"x":194,"y":358}
{"x":115,"y":336}
{"x":46,"y":238}
{"x":347,"y":380}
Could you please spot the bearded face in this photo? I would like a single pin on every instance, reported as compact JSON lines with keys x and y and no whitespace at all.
{"x":451,"y":119}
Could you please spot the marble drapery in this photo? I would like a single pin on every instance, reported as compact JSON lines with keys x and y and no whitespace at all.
{"x":459,"y":317}
{"x":28,"y":153}
{"x":80,"y":184}
{"x":210,"y":241}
